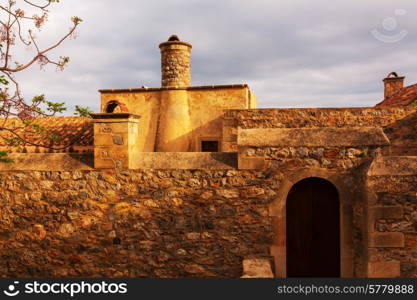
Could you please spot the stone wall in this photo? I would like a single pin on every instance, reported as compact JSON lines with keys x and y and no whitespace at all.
{"x":310,"y":118}
{"x":392,"y":202}
{"x":402,"y":135}
{"x":195,"y":223}
{"x":317,"y":117}
{"x":176,"y":223}
{"x":335,"y":148}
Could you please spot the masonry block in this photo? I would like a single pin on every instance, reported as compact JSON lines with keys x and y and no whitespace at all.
{"x":385,"y":269}
{"x":229,"y":146}
{"x":387,"y":212}
{"x":252,"y":163}
{"x":257,"y":268}
{"x":386,"y":239}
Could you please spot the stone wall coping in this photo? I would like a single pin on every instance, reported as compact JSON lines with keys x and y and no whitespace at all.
{"x":199,"y":87}
{"x":48,"y":162}
{"x":312,"y":137}
{"x":142,"y":160}
{"x":231,"y":113}
{"x":326,"y":109}
{"x":393,"y":78}
{"x":185,"y":160}
{"x":169,"y":43}
{"x":109,"y":117}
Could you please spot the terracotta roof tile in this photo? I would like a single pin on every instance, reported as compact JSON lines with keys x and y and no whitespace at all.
{"x":403,"y":97}
{"x":77,"y":131}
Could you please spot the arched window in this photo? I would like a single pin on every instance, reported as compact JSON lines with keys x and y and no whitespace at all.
{"x":113,"y":107}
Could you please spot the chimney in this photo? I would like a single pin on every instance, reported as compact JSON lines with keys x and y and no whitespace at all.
{"x":392,"y":84}
{"x":175,"y":63}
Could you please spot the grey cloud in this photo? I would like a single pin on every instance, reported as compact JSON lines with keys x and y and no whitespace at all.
{"x":292,"y":53}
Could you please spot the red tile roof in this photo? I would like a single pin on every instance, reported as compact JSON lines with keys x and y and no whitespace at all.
{"x":74,"y":131}
{"x":403,"y":97}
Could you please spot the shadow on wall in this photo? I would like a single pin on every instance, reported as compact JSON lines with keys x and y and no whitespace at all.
{"x":48,"y":162}
{"x":403,"y":136}
{"x":210,"y":131}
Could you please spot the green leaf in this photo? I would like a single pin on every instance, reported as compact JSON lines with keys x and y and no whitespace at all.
{"x":3,"y":80}
{"x":4,"y":158}
{"x":14,"y":141}
{"x":83,"y":111}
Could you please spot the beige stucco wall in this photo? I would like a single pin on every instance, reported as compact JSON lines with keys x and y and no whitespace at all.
{"x":206,"y":110}
{"x":158,"y":123}
{"x":145,"y":104}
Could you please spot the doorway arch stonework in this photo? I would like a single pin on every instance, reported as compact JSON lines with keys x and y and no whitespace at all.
{"x":277,"y":211}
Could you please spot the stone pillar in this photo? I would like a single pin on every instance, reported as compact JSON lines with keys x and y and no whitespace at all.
{"x":115,"y":137}
{"x":175,"y":63}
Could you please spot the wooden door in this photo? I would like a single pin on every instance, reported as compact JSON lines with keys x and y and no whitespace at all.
{"x":313,"y":229}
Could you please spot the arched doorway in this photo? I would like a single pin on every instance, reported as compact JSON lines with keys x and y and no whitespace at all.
{"x":313,"y":229}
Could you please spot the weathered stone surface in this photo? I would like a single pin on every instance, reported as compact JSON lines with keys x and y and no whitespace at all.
{"x":184,"y":160}
{"x":39,"y":231}
{"x":175,"y":64}
{"x":135,"y":223}
{"x":257,"y":268}
{"x":317,"y":117}
{"x":386,"y":239}
{"x":387,"y":212}
{"x":387,"y":269}
{"x":48,"y":162}
{"x":312,"y":137}
{"x":393,"y":165}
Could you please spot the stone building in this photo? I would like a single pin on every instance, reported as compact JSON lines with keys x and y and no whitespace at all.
{"x":195,"y":181}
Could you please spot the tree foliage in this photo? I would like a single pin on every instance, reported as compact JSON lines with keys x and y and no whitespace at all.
{"x":20,"y":22}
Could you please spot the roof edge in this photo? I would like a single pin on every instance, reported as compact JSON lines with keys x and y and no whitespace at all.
{"x":198,"y":87}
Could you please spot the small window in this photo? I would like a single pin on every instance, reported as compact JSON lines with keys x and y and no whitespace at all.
{"x":209,"y":146}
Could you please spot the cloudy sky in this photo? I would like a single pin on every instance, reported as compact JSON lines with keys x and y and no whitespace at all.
{"x":292,"y":53}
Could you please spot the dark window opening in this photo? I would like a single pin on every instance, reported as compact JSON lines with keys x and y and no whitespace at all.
{"x":209,"y":146}
{"x":111,"y":107}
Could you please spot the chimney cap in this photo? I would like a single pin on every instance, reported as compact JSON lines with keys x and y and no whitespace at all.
{"x":393,"y":76}
{"x":174,"y":40}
